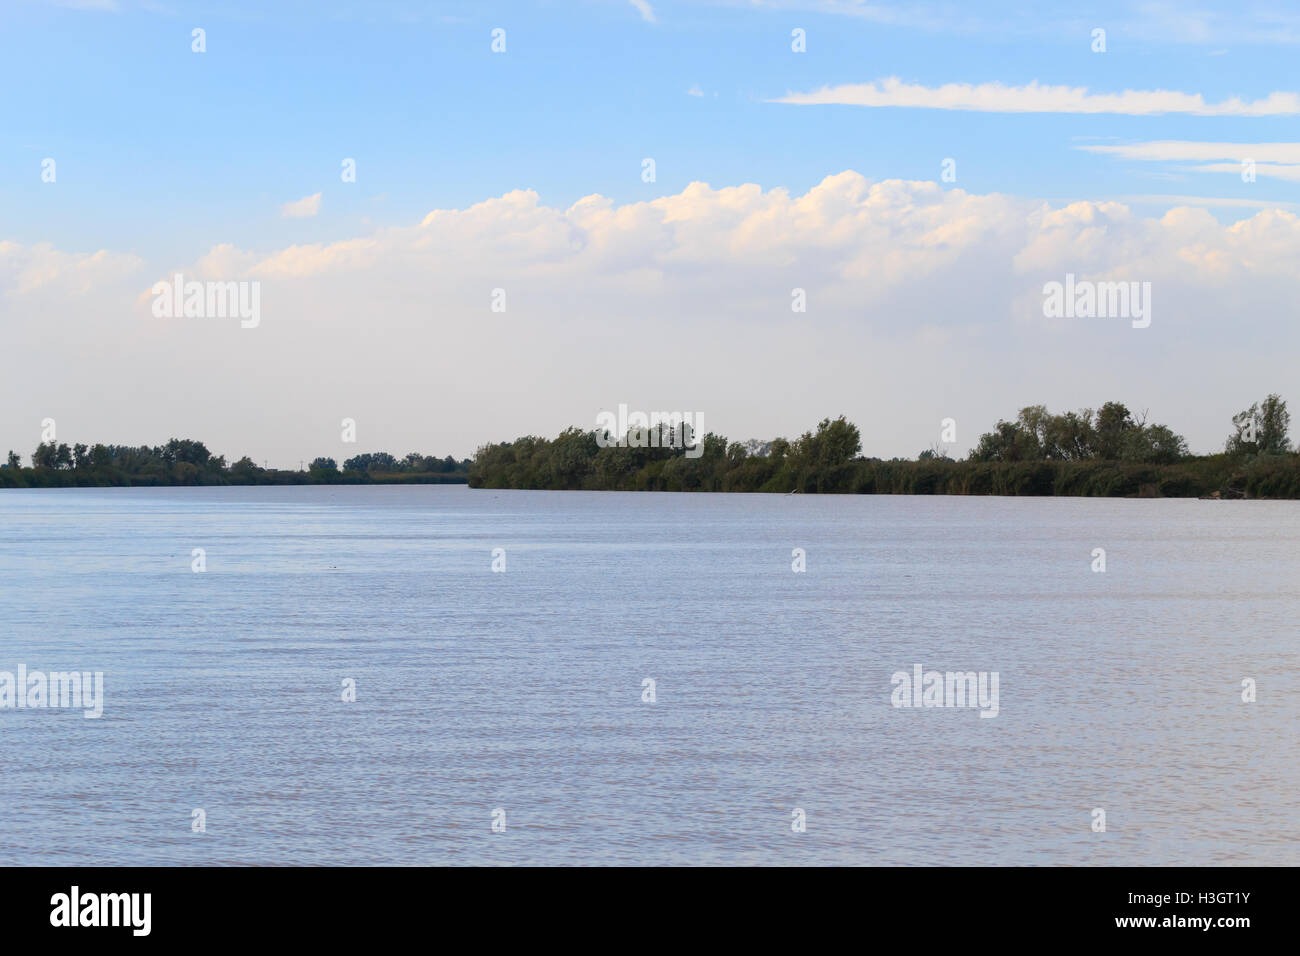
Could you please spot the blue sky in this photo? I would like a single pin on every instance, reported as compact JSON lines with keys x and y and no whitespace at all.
{"x":149,"y":135}
{"x":166,"y":157}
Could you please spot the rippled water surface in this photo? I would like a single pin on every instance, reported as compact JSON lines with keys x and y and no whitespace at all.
{"x":522,"y":690}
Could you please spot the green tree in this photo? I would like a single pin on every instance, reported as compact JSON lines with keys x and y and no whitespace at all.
{"x":1007,"y":442}
{"x":833,"y":444}
{"x":185,"y":450}
{"x":1113,"y":424}
{"x":1274,"y":426}
{"x":1071,"y":436}
{"x":246,"y":469}
{"x":1034,"y":422}
{"x":45,"y":455}
{"x":1154,"y":445}
{"x":571,"y":458}
{"x":1270,"y":423}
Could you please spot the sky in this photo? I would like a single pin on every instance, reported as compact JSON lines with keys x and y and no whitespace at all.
{"x":915,"y":173}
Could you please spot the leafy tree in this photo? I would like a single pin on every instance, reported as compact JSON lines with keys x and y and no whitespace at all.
{"x":571,"y":457}
{"x":45,"y":455}
{"x":1115,"y":435}
{"x":936,"y":452}
{"x":1007,"y":442}
{"x":1271,"y":421}
{"x":1113,"y":423}
{"x":246,"y":468}
{"x":185,"y":450}
{"x":372,"y":461}
{"x":834,"y":443}
{"x":1274,"y":426}
{"x":1153,"y":445}
{"x":1070,"y":437}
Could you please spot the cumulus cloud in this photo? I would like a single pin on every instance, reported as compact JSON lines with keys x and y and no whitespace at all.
{"x":1170,"y":200}
{"x":1038,"y":98}
{"x":922,"y":303}
{"x":302,"y":208}
{"x":29,"y":269}
{"x":846,"y":231}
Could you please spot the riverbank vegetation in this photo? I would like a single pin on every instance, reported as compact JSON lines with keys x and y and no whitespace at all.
{"x":1107,"y":453}
{"x":1110,"y":452}
{"x":189,"y":462}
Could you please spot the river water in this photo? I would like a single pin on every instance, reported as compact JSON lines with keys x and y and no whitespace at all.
{"x":519,"y":696}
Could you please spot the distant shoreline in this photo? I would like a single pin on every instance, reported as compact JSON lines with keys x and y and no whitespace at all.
{"x":1110,"y":453}
{"x":186,"y":462}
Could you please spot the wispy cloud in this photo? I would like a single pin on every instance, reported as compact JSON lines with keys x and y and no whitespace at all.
{"x":695,"y":91}
{"x":1274,"y":170}
{"x":643,"y":7}
{"x":935,"y":17}
{"x":1276,"y":160}
{"x":302,"y":208}
{"x":1038,"y":98}
{"x":1176,"y":150}
{"x":1152,"y":22}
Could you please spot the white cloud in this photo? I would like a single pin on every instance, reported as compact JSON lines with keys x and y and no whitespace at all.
{"x":695,"y":91}
{"x":1275,"y":160}
{"x":1273,"y":170}
{"x":1038,"y":98}
{"x":1169,"y":201}
{"x":854,"y":238}
{"x":643,"y":7}
{"x":28,"y":269}
{"x":923,"y":303}
{"x":1160,"y":22}
{"x":1189,"y":151}
{"x":302,"y":208}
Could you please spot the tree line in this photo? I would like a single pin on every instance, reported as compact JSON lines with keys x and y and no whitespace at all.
{"x":1107,"y":452}
{"x":184,"y":461}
